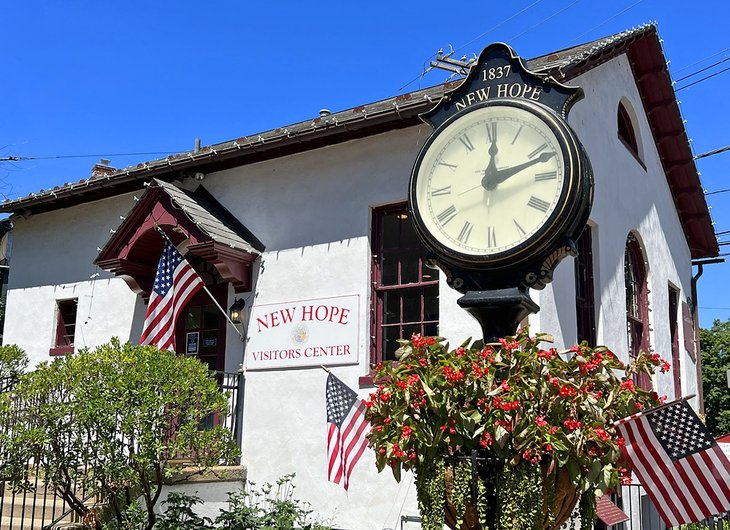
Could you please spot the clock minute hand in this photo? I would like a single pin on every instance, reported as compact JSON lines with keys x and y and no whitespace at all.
{"x":503,"y":174}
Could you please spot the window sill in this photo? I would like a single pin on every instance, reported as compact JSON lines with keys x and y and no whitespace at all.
{"x":366,"y":381}
{"x":57,"y":351}
{"x":633,"y":153}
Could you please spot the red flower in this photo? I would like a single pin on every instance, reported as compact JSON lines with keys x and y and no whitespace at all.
{"x":665,"y":367}
{"x":505,"y":385}
{"x":567,"y":390}
{"x":572,"y":424}
{"x":443,"y":428}
{"x":601,"y":433}
{"x":553,"y":430}
{"x":509,"y":345}
{"x":486,"y":440}
{"x":548,"y":447}
{"x":547,"y":354}
{"x":541,"y":421}
{"x":628,"y":385}
{"x":407,"y":431}
{"x":386,"y":421}
{"x":379,"y":428}
{"x":412,"y":456}
{"x":459,"y":352}
{"x":381,"y":451}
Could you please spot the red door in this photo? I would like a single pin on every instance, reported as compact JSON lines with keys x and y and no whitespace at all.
{"x":201,"y":328}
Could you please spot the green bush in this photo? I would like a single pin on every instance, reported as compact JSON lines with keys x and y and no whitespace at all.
{"x":115,"y":421}
{"x":13,"y":362}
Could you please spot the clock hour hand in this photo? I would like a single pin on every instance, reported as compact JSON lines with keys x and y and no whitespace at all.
{"x":491,"y":169}
{"x":503,"y":174}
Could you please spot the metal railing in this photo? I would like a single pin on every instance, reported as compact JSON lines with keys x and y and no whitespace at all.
{"x":635,"y":503}
{"x":39,"y":504}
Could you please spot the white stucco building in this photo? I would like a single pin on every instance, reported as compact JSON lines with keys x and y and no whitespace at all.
{"x":314,"y":214}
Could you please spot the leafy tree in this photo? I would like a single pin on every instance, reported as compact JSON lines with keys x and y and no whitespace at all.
{"x":116,"y":421}
{"x":715,"y":346}
{"x":13,"y":362}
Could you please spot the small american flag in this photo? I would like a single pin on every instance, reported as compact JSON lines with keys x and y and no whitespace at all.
{"x":175,"y":284}
{"x":348,"y":427}
{"x":678,"y":462}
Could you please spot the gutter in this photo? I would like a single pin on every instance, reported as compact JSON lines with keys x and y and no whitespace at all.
{"x":696,"y":319}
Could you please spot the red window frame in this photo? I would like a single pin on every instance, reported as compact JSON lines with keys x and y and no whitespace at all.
{"x":626,"y":129}
{"x":66,"y":312}
{"x":400,"y":254}
{"x":637,"y":303}
{"x":673,"y":295}
{"x":585,"y":303}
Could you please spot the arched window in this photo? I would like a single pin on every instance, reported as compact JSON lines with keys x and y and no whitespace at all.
{"x":637,"y":302}
{"x":626,"y":124}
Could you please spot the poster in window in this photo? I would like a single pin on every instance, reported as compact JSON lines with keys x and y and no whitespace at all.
{"x":192,"y":340}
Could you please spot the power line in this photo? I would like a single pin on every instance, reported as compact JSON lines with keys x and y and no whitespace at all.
{"x":496,"y":26}
{"x":726,"y":59}
{"x":713,"y":152}
{"x":702,"y":60}
{"x":609,"y":19}
{"x":531,"y":28}
{"x":717,"y":191}
{"x":703,"y":79}
{"x":97,"y":155}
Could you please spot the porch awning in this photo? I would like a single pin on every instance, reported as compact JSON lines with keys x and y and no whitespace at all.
{"x":194,"y":218}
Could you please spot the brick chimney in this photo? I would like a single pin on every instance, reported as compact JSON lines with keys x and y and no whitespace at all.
{"x":102,"y":169}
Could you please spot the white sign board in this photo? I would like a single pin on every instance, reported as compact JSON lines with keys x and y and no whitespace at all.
{"x":322,"y":331}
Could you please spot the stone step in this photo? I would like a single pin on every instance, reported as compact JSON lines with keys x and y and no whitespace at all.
{"x":30,"y":511}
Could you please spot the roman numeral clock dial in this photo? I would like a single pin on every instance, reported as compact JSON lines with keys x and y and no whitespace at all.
{"x":491,"y":180}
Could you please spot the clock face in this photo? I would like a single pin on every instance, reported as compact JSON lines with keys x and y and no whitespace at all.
{"x":491,"y":179}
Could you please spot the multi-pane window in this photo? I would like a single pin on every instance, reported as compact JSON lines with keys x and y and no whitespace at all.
{"x":637,"y":302}
{"x":405,"y":290}
{"x":65,"y":326}
{"x":585,"y":304}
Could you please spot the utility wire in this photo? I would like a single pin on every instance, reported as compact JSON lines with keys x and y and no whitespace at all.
{"x":531,"y":28}
{"x":609,"y":19}
{"x":713,"y":152}
{"x":702,"y":60}
{"x":703,"y":79}
{"x":56,"y":157}
{"x":496,"y":26}
{"x":726,"y":59}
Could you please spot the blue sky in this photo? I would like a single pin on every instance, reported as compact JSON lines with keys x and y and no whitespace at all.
{"x":140,"y":77}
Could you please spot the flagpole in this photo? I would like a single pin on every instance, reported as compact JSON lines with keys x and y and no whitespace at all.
{"x":665,"y":405}
{"x":205,"y":288}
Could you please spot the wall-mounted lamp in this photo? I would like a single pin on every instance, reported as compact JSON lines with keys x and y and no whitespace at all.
{"x":235,"y":310}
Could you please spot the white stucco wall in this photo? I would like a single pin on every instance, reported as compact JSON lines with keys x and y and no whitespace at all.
{"x":313,"y":212}
{"x":53,"y":256}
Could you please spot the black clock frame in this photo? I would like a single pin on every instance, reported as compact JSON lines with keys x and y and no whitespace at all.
{"x":495,"y":286}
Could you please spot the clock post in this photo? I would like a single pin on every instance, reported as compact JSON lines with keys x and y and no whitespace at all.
{"x":502,"y":188}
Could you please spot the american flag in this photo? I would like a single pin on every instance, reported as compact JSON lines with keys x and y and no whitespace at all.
{"x":678,"y":462}
{"x":348,"y":427}
{"x":175,"y":284}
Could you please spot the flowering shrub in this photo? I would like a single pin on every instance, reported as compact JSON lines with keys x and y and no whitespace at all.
{"x":519,"y":401}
